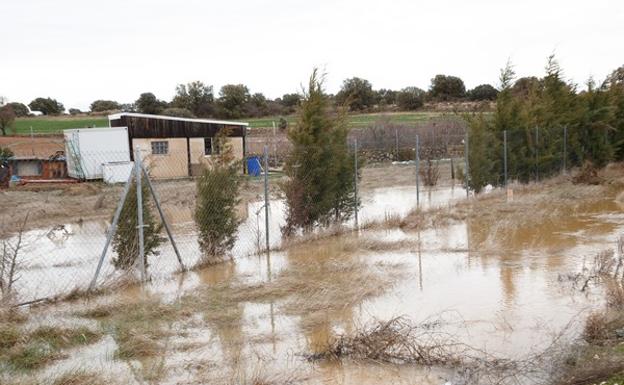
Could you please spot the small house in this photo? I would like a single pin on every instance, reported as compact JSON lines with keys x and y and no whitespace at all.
{"x":173,"y":147}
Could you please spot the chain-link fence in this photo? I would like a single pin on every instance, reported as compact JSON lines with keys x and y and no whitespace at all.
{"x":199,"y":209}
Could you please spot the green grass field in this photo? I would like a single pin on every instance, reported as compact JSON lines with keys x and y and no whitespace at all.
{"x":51,"y":125}
{"x":359,"y":120}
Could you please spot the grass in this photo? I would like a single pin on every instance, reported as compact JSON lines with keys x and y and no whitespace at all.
{"x":355,"y":120}
{"x":55,"y":124}
{"x":139,"y":328}
{"x":24,"y":350}
{"x":330,"y":281}
{"x":51,"y":125}
{"x":79,"y":377}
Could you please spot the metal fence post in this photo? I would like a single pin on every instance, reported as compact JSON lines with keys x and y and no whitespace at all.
{"x":505,"y":154}
{"x":396,"y":144}
{"x":536,"y":154}
{"x":467,"y":174}
{"x":565,"y":148}
{"x":417,"y":160}
{"x":139,"y":192}
{"x":162,"y":217}
{"x":112,"y":229}
{"x":266,"y":197}
{"x":355,"y":184}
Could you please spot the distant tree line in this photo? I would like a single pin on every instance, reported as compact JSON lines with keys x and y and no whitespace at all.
{"x":550,"y":123}
{"x":235,"y":101}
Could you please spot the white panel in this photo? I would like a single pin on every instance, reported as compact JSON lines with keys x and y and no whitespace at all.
{"x":96,"y":147}
{"x":118,"y":172}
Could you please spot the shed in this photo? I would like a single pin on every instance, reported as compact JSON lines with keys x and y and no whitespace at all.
{"x":178,"y":147}
{"x":38,"y":168}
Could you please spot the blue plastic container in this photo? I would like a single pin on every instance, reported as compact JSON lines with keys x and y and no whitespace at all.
{"x":253,"y":166}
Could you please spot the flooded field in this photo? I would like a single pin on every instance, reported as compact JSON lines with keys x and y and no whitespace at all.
{"x":70,"y":252}
{"x":490,"y":284}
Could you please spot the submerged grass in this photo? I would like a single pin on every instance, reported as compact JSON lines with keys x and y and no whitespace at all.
{"x":27,"y":350}
{"x":302,"y":288}
{"x":80,"y":377}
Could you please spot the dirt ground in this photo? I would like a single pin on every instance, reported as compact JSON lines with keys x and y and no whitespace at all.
{"x":55,"y":204}
{"x":42,"y":146}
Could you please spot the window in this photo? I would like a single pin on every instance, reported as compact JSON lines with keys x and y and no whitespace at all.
{"x":160,"y":148}
{"x":211,"y":146}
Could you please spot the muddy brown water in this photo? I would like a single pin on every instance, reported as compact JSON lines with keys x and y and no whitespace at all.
{"x":56,"y":260}
{"x":506,"y":298}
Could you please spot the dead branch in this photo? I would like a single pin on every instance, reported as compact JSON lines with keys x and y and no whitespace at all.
{"x":9,"y":263}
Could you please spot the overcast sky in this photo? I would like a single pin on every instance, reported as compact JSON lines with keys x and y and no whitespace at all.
{"x":79,"y":50}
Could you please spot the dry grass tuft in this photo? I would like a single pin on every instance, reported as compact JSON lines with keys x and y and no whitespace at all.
{"x":80,"y":377}
{"x":596,"y":328}
{"x":396,"y":341}
{"x":135,"y":343}
{"x":615,"y":294}
{"x":588,"y":174}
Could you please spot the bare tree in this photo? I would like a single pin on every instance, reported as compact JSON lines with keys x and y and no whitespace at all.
{"x":10,"y":263}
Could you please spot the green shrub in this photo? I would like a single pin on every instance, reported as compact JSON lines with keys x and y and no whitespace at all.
{"x":126,"y":238}
{"x":320,"y":168}
{"x":217,"y":198}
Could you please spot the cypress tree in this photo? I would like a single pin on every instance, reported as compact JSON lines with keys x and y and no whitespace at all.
{"x":126,"y":238}
{"x":594,"y":120}
{"x":320,"y":168}
{"x":217,"y":199}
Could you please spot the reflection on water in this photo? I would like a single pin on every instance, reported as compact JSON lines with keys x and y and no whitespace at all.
{"x":60,"y":260}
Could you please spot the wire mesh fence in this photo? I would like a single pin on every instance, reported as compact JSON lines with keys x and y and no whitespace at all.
{"x":200,"y":207}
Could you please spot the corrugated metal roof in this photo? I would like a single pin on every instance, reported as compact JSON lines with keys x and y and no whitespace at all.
{"x":164,"y":117}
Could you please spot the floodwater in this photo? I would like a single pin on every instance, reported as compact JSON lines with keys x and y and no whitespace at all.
{"x":56,"y":261}
{"x":495,"y":289}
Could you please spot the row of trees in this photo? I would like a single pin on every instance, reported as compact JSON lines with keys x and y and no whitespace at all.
{"x":549,"y":124}
{"x":235,"y":101}
{"x":358,"y":94}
